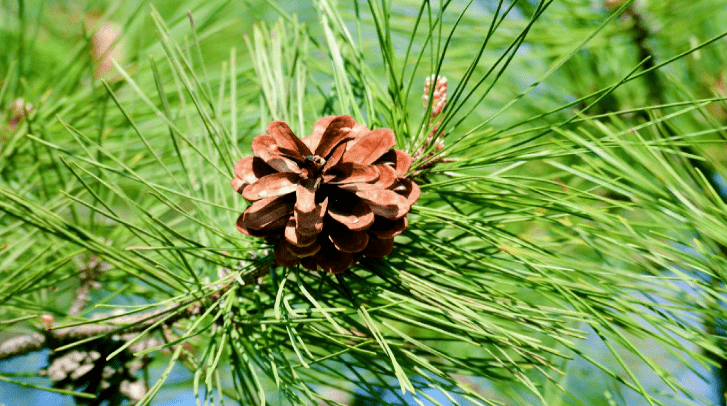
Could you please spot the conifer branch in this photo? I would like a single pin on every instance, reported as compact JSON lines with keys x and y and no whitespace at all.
{"x":53,"y":338}
{"x":28,"y":343}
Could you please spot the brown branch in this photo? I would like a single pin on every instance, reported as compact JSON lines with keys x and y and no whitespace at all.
{"x":89,"y":280}
{"x":57,"y":337}
{"x":53,"y":338}
{"x":22,"y":345}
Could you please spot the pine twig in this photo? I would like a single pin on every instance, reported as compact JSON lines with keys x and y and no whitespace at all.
{"x":27,"y":343}
{"x":89,"y":280}
{"x":52,"y":338}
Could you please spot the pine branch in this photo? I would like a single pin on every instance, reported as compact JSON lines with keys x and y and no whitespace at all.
{"x":89,"y":280}
{"x":22,"y":345}
{"x":27,"y":343}
{"x":53,"y":338}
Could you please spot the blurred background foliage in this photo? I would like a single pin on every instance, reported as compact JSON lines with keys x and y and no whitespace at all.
{"x":570,"y":250}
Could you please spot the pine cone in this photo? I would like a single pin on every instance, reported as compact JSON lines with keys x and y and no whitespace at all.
{"x":328,"y":199}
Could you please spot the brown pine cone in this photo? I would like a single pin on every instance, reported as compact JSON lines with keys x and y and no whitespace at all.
{"x":328,"y":199}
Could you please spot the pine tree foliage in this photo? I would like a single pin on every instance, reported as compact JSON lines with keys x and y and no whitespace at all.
{"x":576,"y":197}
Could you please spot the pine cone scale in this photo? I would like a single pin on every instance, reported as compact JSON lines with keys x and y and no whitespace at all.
{"x":349,"y":241}
{"x":284,"y":137}
{"x":399,"y":160}
{"x":335,"y":157}
{"x":331,"y":260}
{"x":308,"y":214}
{"x":265,"y":212}
{"x":336,"y":133}
{"x":409,"y":190}
{"x":378,"y":247}
{"x":264,"y":147}
{"x":296,"y":238}
{"x":370,"y":147}
{"x":283,"y":256}
{"x":385,"y":228}
{"x":276,"y":184}
{"x":359,"y":217}
{"x":305,"y":251}
{"x":346,"y":173}
{"x":385,"y":203}
{"x":249,"y":170}
{"x":241,"y":227}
